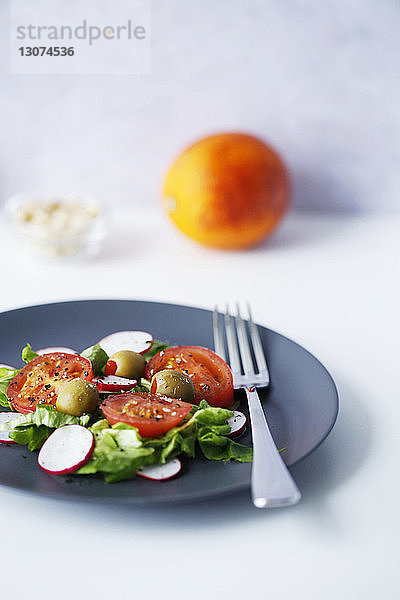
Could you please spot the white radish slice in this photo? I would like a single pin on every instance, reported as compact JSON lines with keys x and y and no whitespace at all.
{"x":5,"y":417}
{"x":113,"y":383}
{"x":161,"y":472}
{"x":237,"y":423}
{"x":68,"y":448}
{"x":56,"y":349}
{"x":138,"y":341}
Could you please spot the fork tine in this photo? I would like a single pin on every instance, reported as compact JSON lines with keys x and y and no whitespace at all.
{"x":257,"y":346}
{"x":245,"y":353}
{"x":232,"y":344}
{"x":219,"y":345}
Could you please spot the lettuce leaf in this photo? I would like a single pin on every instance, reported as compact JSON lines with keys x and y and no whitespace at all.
{"x":97,"y":356}
{"x":34,"y":428}
{"x":207,"y":426}
{"x":143,"y":385}
{"x":156,"y":347}
{"x":28,"y":354}
{"x":6,"y":376}
{"x":218,"y":447}
{"x":118,"y":452}
{"x":32,"y":436}
{"x":4,"y":402}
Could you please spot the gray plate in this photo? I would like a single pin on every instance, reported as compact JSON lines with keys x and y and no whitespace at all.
{"x":301,"y":404}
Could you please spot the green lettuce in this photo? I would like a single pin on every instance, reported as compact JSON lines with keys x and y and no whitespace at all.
{"x":34,"y":428}
{"x":208,"y":427}
{"x":4,"y":402}
{"x":97,"y":356}
{"x":118,"y":452}
{"x":6,"y":376}
{"x":143,"y":385}
{"x":156,"y":347}
{"x":28,"y":354}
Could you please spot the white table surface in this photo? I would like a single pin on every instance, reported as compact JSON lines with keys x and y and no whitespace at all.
{"x":329,"y":282}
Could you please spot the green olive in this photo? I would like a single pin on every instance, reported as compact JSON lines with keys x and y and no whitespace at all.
{"x":129,"y":364}
{"x":77,"y":397}
{"x":173,"y":384}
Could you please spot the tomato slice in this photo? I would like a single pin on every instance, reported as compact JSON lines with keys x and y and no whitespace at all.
{"x":152,"y":414}
{"x":211,"y":376}
{"x":39,"y":381}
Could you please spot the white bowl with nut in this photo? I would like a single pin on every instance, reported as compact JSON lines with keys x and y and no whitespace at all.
{"x":58,"y":226}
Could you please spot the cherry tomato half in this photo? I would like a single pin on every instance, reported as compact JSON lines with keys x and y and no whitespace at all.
{"x":38,"y":382}
{"x":152,"y":414}
{"x":211,"y":376}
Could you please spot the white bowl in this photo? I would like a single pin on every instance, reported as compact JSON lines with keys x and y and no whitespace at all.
{"x":58,"y":226}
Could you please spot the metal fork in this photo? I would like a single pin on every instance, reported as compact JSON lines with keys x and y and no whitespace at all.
{"x":271,"y":483}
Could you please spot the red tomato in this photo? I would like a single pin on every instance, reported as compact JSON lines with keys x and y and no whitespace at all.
{"x":152,"y":414}
{"x":211,"y":376}
{"x":38,"y":382}
{"x":111,"y":367}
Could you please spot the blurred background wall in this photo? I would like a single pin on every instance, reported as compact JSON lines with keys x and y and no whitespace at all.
{"x":319,"y":80}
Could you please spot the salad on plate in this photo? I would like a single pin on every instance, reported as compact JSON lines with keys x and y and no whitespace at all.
{"x":127,"y":406}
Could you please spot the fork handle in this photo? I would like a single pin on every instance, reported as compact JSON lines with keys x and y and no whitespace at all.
{"x":271,"y":483}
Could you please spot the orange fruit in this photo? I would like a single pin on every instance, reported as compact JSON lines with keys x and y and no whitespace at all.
{"x":228,"y":190}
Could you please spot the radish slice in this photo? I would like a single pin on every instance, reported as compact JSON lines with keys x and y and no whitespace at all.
{"x":5,"y":417}
{"x":161,"y":472}
{"x":56,"y":349}
{"x":138,"y":341}
{"x":237,"y":423}
{"x":113,"y":383}
{"x":68,"y":448}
